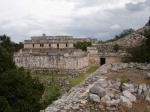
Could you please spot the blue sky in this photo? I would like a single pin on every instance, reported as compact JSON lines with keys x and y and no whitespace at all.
{"x":101,"y":19}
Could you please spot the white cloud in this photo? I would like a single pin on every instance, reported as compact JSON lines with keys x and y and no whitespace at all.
{"x":22,"y":19}
{"x":115,"y":26}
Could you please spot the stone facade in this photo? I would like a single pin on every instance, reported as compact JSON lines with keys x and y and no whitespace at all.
{"x":55,"y":54}
{"x":55,"y":41}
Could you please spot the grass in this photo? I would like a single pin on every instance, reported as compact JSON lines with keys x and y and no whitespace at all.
{"x":48,"y":76}
{"x":76,"y":80}
{"x":72,"y":81}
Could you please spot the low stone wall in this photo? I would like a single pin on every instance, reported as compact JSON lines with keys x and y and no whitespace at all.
{"x":96,"y":88}
{"x":72,"y":73}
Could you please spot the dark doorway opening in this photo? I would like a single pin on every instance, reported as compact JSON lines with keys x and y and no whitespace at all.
{"x":57,"y":45}
{"x":102,"y":61}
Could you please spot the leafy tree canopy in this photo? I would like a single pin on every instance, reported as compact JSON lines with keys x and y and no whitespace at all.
{"x":19,"y":92}
{"x":10,"y":46}
{"x":82,"y":45}
{"x":6,"y":61}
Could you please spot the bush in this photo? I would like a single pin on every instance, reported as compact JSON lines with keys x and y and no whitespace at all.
{"x":116,"y":47}
{"x":82,"y":45}
{"x":21,"y":91}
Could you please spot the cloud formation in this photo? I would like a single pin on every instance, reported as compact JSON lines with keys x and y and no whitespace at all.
{"x":21,"y":19}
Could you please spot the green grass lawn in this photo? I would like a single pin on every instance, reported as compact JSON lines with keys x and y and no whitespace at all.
{"x":76,"y":80}
{"x":49,"y":75}
{"x":72,"y":81}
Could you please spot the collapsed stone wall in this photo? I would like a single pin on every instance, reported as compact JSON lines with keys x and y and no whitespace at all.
{"x":96,"y":88}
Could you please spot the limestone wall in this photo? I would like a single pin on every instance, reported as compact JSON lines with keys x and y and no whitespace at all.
{"x":38,"y":61}
{"x":49,"y":45}
{"x":110,"y":60}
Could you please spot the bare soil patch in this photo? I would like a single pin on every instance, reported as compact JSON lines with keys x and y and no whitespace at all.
{"x":137,"y":76}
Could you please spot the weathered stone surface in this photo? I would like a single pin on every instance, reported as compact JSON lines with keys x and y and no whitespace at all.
{"x":78,"y":96}
{"x":113,"y":102}
{"x":128,"y":95}
{"x":94,"y":97}
{"x":116,"y":84}
{"x":130,"y":87}
{"x":124,"y":65}
{"x":125,"y":102}
{"x":147,"y":96}
{"x":144,"y":88}
{"x":96,"y":89}
{"x":102,"y":84}
{"x":140,"y":89}
{"x":148,"y":75}
{"x":105,"y":98}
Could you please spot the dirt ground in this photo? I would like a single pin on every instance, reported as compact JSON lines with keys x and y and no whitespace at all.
{"x":136,"y":76}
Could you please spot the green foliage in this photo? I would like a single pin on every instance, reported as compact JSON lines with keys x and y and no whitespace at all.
{"x":76,"y":80}
{"x":147,"y":33}
{"x":10,"y":46}
{"x":82,"y":45}
{"x":21,"y":91}
{"x":141,"y":53}
{"x":6,"y":43}
{"x":123,"y":81}
{"x":6,"y":61}
{"x":17,"y":46}
{"x":4,"y":106}
{"x":116,"y":47}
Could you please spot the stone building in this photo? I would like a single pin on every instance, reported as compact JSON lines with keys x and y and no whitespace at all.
{"x":56,"y":54}
{"x":53,"y":54}
{"x":55,"y":41}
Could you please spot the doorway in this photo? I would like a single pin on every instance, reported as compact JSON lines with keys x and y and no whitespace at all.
{"x":102,"y":61}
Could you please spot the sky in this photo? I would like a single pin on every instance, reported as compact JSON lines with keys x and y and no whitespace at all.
{"x":101,"y":19}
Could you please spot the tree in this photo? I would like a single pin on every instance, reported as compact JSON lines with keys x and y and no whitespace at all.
{"x":116,"y":47}
{"x":141,"y":53}
{"x":21,"y":91}
{"x":6,"y":43}
{"x":82,"y":45}
{"x":6,"y":61}
{"x":17,"y":46}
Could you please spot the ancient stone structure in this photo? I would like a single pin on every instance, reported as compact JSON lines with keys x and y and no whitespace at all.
{"x":56,"y":54}
{"x":108,"y":94}
{"x":53,"y":54}
{"x":55,"y":41}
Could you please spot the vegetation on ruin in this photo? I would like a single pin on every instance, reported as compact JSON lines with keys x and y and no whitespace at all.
{"x":82,"y":45}
{"x":116,"y":47}
{"x":141,"y":53}
{"x":121,"y":35}
{"x":48,"y":75}
{"x":19,"y":92}
{"x":55,"y":91}
{"x":76,"y":80}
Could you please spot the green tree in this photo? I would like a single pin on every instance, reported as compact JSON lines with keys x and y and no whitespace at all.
{"x":6,"y":43}
{"x":21,"y":91}
{"x":17,"y":46}
{"x":141,"y":53}
{"x":82,"y":45}
{"x":6,"y":61}
{"x":116,"y":47}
